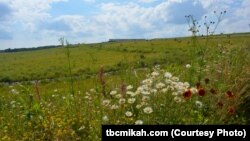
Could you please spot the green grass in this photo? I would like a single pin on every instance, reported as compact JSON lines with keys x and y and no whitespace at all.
{"x":51,"y":63}
{"x":44,"y":108}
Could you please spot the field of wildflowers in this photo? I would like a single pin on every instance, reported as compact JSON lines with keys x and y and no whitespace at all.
{"x":157,"y":97}
{"x":198,"y":80}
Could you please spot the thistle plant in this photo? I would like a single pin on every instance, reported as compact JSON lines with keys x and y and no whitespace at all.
{"x":199,"y":51}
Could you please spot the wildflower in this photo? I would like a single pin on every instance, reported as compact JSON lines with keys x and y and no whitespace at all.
{"x":92,"y":90}
{"x":187,"y":94}
{"x":14,"y":91}
{"x":138,"y":106}
{"x":114,"y":107}
{"x":194,"y":90}
{"x":167,"y":81}
{"x":145,"y":93}
{"x":144,"y":103}
{"x":153,"y":91}
{"x":133,"y":94}
{"x":177,"y":84}
{"x":105,"y":118}
{"x":201,"y":92}
{"x":177,"y":99}
{"x":230,"y":94}
{"x":147,"y":82}
{"x":128,"y":114}
{"x":88,"y":97}
{"x":159,"y":85}
{"x":186,"y":84}
{"x":198,"y":85}
{"x":155,"y":73}
{"x":113,"y":92}
{"x":122,"y":101}
{"x":12,"y":102}
{"x":145,"y":98}
{"x":148,"y":110}
{"x":129,"y":87}
{"x":198,"y":104}
{"x":188,"y":66}
{"x":81,"y":128}
{"x":171,"y":88}
{"x":220,"y":104}
{"x":231,"y":110}
{"x":131,"y":100}
{"x":87,"y":93}
{"x":175,"y":78}
{"x":206,"y":80}
{"x":212,"y":91}
{"x":138,"y":122}
{"x":164,"y":90}
{"x":118,"y":96}
{"x":168,"y":75}
{"x":139,"y":89}
{"x":157,"y":66}
{"x":63,"y":97}
{"x":175,"y":93}
{"x":180,"y":91}
{"x":130,"y":93}
{"x":105,"y":102}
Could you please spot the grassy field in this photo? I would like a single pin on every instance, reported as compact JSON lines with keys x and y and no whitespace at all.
{"x":52,"y":63}
{"x":161,"y":81}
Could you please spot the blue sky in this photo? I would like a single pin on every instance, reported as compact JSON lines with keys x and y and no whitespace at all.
{"x":32,"y":23}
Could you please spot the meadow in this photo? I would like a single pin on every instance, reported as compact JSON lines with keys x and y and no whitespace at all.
{"x":67,"y":93}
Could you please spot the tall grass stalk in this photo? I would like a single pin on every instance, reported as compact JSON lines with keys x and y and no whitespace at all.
{"x":62,"y":41}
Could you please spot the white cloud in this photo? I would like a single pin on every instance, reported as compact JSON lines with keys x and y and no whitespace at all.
{"x":124,"y":16}
{"x":238,"y":18}
{"x":146,"y":1}
{"x":30,"y":12}
{"x":132,"y":18}
{"x":216,"y":5}
{"x":75,"y":22}
{"x":244,"y":11}
{"x":25,"y":17}
{"x":116,"y":20}
{"x":230,"y":26}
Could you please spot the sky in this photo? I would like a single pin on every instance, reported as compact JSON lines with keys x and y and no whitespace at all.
{"x":33,"y":23}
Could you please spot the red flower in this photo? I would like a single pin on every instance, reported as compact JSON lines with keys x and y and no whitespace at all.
{"x":231,"y":110}
{"x":213,"y":91}
{"x":207,"y":80}
{"x":201,"y":92}
{"x":187,"y":94}
{"x":230,"y":94}
{"x":220,"y":104}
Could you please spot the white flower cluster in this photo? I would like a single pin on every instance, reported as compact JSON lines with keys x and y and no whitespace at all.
{"x":157,"y":82}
